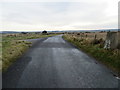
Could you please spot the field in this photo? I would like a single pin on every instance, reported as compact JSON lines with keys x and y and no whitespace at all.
{"x":12,"y":47}
{"x":93,"y":45}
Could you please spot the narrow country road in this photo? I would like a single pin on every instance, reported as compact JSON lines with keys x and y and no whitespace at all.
{"x":54,"y":63}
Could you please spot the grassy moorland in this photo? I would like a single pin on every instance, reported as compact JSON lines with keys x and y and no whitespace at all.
{"x":94,"y":47}
{"x":12,"y":47}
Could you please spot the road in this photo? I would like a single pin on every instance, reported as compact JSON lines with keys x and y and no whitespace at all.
{"x":54,"y":63}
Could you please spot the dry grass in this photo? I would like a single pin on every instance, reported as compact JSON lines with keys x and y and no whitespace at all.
{"x":90,"y":36}
{"x":11,"y":51}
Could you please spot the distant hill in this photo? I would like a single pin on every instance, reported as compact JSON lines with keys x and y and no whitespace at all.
{"x":7,"y":32}
{"x":105,"y":30}
{"x":57,"y":31}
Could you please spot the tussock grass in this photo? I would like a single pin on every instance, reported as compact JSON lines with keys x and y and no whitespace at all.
{"x":11,"y":51}
{"x":110,"y":58}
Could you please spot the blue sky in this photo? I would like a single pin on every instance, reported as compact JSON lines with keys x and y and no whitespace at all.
{"x":58,"y":15}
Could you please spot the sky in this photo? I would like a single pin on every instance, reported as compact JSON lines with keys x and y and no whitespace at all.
{"x":39,"y":15}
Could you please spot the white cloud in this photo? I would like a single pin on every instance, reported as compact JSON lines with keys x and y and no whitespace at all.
{"x":37,"y":15}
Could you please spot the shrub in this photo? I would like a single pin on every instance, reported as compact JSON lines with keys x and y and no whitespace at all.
{"x":44,"y":32}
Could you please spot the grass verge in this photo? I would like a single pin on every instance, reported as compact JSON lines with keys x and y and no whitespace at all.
{"x":110,"y":58}
{"x":11,"y":51}
{"x":13,"y":47}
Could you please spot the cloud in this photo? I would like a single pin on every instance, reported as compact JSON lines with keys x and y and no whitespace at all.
{"x":84,"y":14}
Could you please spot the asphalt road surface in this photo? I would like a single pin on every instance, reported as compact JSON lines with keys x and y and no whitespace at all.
{"x":54,"y":63}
